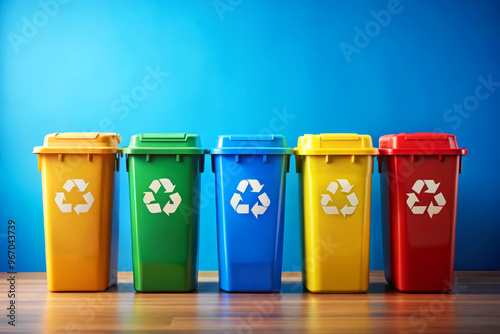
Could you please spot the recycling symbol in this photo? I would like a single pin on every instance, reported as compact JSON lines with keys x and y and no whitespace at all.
{"x":81,"y":186}
{"x":351,"y":197}
{"x":432,"y":188}
{"x":173,"y":202}
{"x":244,"y":208}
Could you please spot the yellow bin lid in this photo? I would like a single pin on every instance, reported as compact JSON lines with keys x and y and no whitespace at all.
{"x":80,"y":143}
{"x":335,"y":144}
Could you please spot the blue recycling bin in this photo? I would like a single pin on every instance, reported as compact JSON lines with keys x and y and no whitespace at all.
{"x":250,"y":172}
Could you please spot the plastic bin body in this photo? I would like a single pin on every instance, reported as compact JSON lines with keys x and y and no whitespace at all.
{"x":250,"y":174}
{"x":164,"y":179}
{"x":419,"y":187}
{"x":335,"y":173}
{"x":80,"y":209}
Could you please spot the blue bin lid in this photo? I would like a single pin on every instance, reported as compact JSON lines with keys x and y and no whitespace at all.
{"x":251,"y":144}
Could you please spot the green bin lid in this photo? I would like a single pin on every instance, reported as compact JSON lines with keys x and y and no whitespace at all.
{"x":164,"y":143}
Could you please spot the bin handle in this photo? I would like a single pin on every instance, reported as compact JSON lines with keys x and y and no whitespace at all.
{"x":163,"y":137}
{"x":287,"y":164}
{"x":379,"y":163}
{"x":117,"y":162}
{"x":459,"y":164}
{"x":298,"y":164}
{"x":202,"y":163}
{"x":212,"y":158}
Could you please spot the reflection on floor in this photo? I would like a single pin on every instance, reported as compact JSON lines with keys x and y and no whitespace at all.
{"x":474,"y":306}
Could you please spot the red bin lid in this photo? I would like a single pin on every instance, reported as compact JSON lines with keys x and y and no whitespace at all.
{"x":421,"y":143}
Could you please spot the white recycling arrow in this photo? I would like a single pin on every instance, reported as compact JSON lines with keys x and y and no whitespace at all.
{"x":258,"y":209}
{"x":431,"y":186}
{"x":331,"y":210}
{"x":348,"y":210}
{"x":82,"y":208}
{"x":155,"y":185}
{"x":412,"y":199}
{"x":440,"y":199}
{"x":171,"y":207}
{"x":417,"y":186}
{"x":264,"y":199}
{"x":69,"y":185}
{"x":352,"y":199}
{"x":418,"y":210}
{"x":235,"y":200}
{"x":167,"y":184}
{"x":332,"y":187}
{"x":346,"y":187}
{"x":256,"y":186}
{"x":325,"y":199}
{"x":241,"y":208}
{"x":245,"y":208}
{"x":80,"y":184}
{"x":154,"y":207}
{"x":148,"y":197}
{"x":59,"y":201}
{"x":433,"y":210}
{"x":242,"y":186}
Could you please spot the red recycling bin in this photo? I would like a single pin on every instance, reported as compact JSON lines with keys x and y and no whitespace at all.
{"x":419,"y":186}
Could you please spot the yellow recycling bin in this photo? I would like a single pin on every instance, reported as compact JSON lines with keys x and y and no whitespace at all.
{"x":80,"y":211}
{"x":335,"y":187}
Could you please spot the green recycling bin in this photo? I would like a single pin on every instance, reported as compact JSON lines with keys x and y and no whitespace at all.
{"x":164,"y":179}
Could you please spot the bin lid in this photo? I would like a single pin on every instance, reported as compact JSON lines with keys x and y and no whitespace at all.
{"x":80,"y":143}
{"x":422,"y":143}
{"x":335,"y":144}
{"x":251,"y":144}
{"x":164,"y":143}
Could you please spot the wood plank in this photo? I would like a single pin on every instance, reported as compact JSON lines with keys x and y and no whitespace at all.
{"x":474,"y":306}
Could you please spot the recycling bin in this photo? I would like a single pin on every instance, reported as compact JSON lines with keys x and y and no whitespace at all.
{"x":250,"y":172}
{"x":419,"y":187}
{"x":80,"y":209}
{"x":164,"y":180}
{"x":335,"y":173}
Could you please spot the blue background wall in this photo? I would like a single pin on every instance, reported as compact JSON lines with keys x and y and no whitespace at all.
{"x":239,"y":68}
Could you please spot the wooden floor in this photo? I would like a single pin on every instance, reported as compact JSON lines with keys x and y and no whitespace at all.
{"x":473,"y":307}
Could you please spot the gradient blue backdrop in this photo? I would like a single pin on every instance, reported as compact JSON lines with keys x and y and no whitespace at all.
{"x":233,"y":69}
